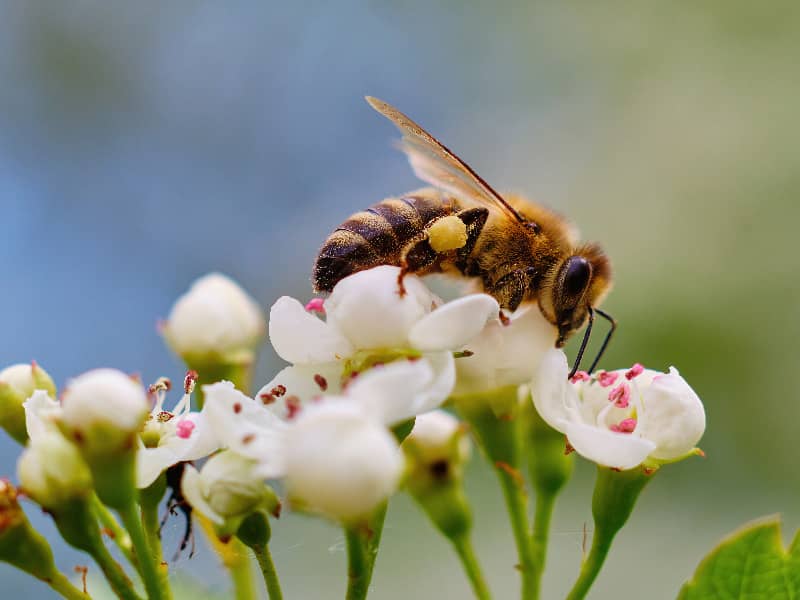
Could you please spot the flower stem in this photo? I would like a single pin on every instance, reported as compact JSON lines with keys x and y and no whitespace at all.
{"x":151,"y":529}
{"x":466,"y":554}
{"x":145,"y":557}
{"x":615,"y":494}
{"x":59,"y":582}
{"x":495,"y":420}
{"x":234,"y":557}
{"x":264,"y":558}
{"x":114,"y":530}
{"x":541,"y":531}
{"x":359,"y":569}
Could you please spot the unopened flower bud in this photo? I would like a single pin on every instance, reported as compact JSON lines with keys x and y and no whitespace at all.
{"x":437,"y":450}
{"x":228,"y":489}
{"x":103,"y":412}
{"x":20,"y":544}
{"x":104,"y":409}
{"x":339,"y":462}
{"x":215,"y":318}
{"x":52,"y":472}
{"x":17,"y":384}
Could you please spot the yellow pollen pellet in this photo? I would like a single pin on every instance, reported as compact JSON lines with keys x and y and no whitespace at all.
{"x":448,"y":233}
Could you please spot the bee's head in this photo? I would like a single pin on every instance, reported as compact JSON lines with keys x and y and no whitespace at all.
{"x":578,"y":282}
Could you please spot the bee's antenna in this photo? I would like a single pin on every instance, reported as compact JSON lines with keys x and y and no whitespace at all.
{"x":611,"y":331}
{"x":585,"y":341}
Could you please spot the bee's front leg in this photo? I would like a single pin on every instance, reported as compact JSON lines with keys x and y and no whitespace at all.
{"x":510,"y":289}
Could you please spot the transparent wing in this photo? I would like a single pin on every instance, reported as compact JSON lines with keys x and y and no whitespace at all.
{"x":435,"y":164}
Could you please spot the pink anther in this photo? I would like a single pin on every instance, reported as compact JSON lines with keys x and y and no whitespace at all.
{"x":580,"y":376}
{"x":606,"y":379}
{"x":184,"y":429}
{"x":620,"y":395}
{"x":624,"y":426}
{"x":317,"y":305}
{"x":634,"y":371}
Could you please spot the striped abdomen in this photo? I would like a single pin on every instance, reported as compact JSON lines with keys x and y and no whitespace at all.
{"x":377,"y":235}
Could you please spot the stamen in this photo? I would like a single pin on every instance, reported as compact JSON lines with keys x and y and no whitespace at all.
{"x":624,"y":426}
{"x":317,"y":305}
{"x":164,"y":416}
{"x":184,"y":429}
{"x":237,"y":408}
{"x":190,"y":381}
{"x":620,"y":395}
{"x":580,"y":376}
{"x":634,"y":371}
{"x":267,"y":398}
{"x":607,"y":379}
{"x":278,"y":391}
{"x":292,"y":406}
{"x":321,"y":382}
{"x":248,"y":438}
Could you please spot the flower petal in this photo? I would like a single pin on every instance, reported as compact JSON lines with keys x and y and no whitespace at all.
{"x":617,"y":450}
{"x":41,"y":411}
{"x":392,"y":393}
{"x":674,"y":417}
{"x":244,"y":425}
{"x":454,"y":324}
{"x":441,"y":387}
{"x":552,"y":392}
{"x":368,"y":310}
{"x":192,"y":489}
{"x":306,"y":382}
{"x":300,"y":337}
{"x":151,"y":462}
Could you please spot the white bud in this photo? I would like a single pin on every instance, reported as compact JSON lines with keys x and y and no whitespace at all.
{"x":437,"y":436}
{"x":228,"y":488}
{"x":215,"y":317}
{"x":339,"y":462}
{"x":52,"y":472}
{"x":103,"y":410}
{"x":17,"y":384}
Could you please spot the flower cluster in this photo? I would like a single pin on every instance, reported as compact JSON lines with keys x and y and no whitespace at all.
{"x":369,"y":367}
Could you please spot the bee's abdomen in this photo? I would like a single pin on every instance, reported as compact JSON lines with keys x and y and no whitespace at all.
{"x":376,"y":236}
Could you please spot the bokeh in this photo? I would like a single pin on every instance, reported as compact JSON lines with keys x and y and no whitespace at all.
{"x":144,"y":144}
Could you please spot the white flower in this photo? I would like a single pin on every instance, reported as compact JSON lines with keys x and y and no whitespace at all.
{"x":217,"y":318}
{"x":340,"y":462}
{"x":170,"y":437}
{"x":52,"y":472}
{"x":620,"y":418}
{"x":438,"y":436}
{"x":369,"y":323}
{"x":227,"y":489}
{"x":506,"y":354}
{"x":103,"y":410}
{"x":17,"y":384}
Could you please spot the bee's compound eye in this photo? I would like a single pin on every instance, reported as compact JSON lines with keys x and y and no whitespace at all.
{"x":576,"y":278}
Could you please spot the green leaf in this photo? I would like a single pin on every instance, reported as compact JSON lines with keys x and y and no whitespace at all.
{"x":750,"y":564}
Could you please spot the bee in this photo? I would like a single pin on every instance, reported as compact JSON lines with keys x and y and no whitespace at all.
{"x":515,"y":250}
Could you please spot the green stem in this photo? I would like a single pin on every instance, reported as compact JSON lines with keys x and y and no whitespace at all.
{"x":466,"y":554}
{"x":242,"y":577}
{"x":113,"y":529}
{"x":117,"y":578}
{"x":541,"y":531}
{"x":264,"y":558}
{"x":615,"y":494}
{"x":59,"y":582}
{"x":151,"y":529}
{"x":517,"y":507}
{"x":147,"y":560}
{"x":233,"y":556}
{"x":358,"y":565}
{"x":373,"y":541}
{"x":495,"y":418}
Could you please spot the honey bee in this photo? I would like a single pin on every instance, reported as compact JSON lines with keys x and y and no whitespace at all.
{"x":515,"y":250}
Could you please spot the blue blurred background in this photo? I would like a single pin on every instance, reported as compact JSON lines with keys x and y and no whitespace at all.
{"x":145,"y":144}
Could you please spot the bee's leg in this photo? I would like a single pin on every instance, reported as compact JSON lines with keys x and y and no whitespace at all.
{"x":510,"y":289}
{"x":416,"y":256}
{"x":474,"y":219}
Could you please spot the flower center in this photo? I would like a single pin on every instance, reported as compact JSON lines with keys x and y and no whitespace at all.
{"x":624,"y":426}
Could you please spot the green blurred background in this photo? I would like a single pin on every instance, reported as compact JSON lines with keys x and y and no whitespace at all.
{"x":143,"y":144}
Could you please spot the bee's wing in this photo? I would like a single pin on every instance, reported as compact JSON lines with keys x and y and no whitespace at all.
{"x":437,"y":165}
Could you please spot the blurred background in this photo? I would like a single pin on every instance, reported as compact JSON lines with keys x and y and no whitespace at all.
{"x":145,"y":144}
